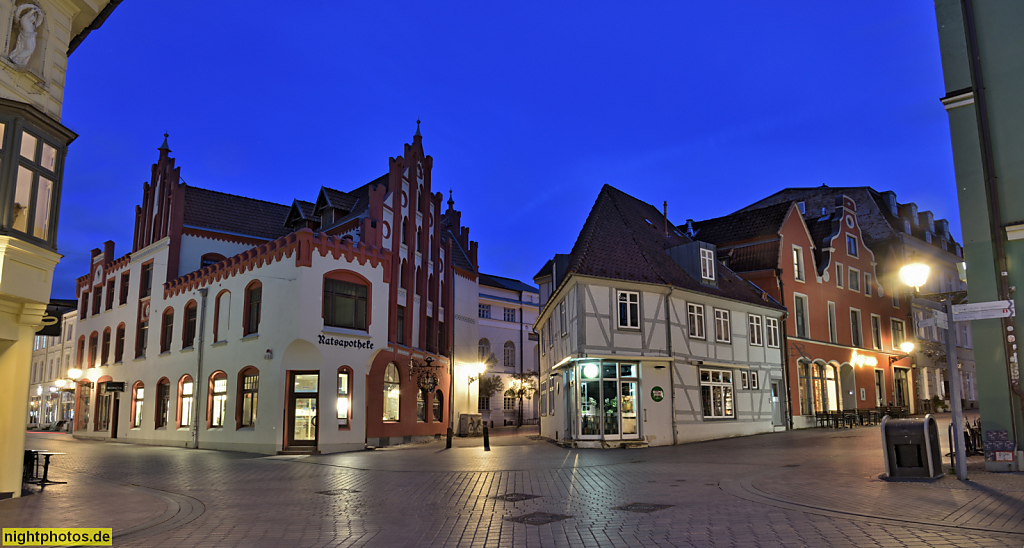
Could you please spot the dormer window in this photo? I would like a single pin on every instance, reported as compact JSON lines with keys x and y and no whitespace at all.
{"x":707,"y":264}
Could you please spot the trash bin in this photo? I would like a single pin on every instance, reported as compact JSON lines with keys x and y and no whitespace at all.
{"x":911,"y":448}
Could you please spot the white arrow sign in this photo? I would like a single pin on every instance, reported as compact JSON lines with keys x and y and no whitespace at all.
{"x":934,"y":321}
{"x":983,"y":311}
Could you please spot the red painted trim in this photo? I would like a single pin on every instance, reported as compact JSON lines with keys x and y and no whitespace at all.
{"x":239,"y":387}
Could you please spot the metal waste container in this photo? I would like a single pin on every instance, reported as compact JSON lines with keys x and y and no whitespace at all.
{"x":911,"y":448}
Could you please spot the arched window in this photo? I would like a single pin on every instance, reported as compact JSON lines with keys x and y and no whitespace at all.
{"x":222,"y":316}
{"x":163,"y":402}
{"x":138,"y":392}
{"x":391,"y":393}
{"x":80,"y":358}
{"x":188,"y":329}
{"x":247,"y":397}
{"x":84,"y":404}
{"x":186,"y":401}
{"x":419,"y":239}
{"x":484,"y":350}
{"x":419,"y":281}
{"x":438,"y":406}
{"x":405,"y":231}
{"x":403,"y":275}
{"x":346,"y":300}
{"x":210,"y":259}
{"x":166,"y":330}
{"x":421,"y":405}
{"x":510,"y":354}
{"x":217,"y":400}
{"x":105,"y":349}
{"x":94,"y":341}
{"x":252,"y":306}
{"x":344,"y":396}
{"x":119,"y":344}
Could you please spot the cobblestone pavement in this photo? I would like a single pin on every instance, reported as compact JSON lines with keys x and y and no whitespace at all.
{"x":805,"y":488}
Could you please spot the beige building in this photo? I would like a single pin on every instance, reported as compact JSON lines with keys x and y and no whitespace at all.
{"x":38,"y":37}
{"x":50,"y":394}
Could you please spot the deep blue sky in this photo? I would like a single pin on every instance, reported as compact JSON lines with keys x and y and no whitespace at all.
{"x":527,"y":108}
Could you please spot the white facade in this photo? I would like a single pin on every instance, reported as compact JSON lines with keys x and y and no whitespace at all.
{"x":506,"y":312}
{"x":51,"y":359}
{"x":669,"y":363}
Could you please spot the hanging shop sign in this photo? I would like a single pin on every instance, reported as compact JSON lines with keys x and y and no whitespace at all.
{"x":346,"y":343}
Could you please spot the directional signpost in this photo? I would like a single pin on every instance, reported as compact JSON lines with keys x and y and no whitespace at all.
{"x":983,"y":311}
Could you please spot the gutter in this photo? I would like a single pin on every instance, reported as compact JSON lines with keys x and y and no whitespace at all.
{"x":96,"y":23}
{"x":199,"y":369}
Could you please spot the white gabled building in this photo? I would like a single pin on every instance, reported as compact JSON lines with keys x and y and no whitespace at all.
{"x":645,"y":339}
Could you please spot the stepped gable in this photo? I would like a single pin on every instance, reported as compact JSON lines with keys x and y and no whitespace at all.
{"x":624,"y":238}
{"x":222,"y":212}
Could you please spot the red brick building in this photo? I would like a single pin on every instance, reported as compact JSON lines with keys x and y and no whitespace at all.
{"x":844,"y":328}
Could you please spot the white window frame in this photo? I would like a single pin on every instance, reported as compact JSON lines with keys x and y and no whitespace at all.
{"x":695,"y":318}
{"x":892,"y":333}
{"x":839,"y":275}
{"x":509,"y":314}
{"x":867,"y":284}
{"x":483,"y":311}
{"x":876,"y":321}
{"x":798,"y":264}
{"x":707,"y":264}
{"x":856,"y":328}
{"x":632,"y":301}
{"x":561,"y":317}
{"x":805,"y":309}
{"x":755,"y":329}
{"x":723,"y":326}
{"x":833,"y":330}
{"x":850,"y":238}
{"x":771,"y":326}
{"x":851,"y":276}
{"x":744,"y":382}
{"x":725,"y":382}
{"x":753,"y":380}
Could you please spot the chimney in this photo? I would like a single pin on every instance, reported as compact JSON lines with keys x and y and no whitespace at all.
{"x":108,"y":252}
{"x":665,"y":217}
{"x":689,"y":228}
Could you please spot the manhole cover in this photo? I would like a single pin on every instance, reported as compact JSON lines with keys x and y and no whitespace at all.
{"x":515,"y":497}
{"x":642,"y":507}
{"x":335,"y":492}
{"x":538,"y":518}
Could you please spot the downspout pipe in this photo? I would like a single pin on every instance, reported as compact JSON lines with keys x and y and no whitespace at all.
{"x":785,"y":354}
{"x":671,"y":363}
{"x":197,"y":391}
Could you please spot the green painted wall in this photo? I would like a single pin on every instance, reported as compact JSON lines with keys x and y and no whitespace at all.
{"x":1001,"y":45}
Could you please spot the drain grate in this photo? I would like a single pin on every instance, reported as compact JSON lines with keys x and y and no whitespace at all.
{"x":515,"y":497}
{"x":642,"y":507}
{"x":336,"y":492}
{"x":538,"y":518}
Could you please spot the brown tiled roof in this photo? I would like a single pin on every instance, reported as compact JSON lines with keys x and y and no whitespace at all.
{"x":742,"y":225}
{"x":750,"y":258}
{"x":228,"y":213}
{"x":502,"y":282}
{"x":624,"y":238}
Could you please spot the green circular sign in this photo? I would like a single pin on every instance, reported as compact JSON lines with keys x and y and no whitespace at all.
{"x":657,"y":393}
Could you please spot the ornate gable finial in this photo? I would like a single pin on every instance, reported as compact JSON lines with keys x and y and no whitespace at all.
{"x":418,"y":128}
{"x":164,"y":146}
{"x":451,"y":202}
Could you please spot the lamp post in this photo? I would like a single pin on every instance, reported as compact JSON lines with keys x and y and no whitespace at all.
{"x":906,"y":347}
{"x":915,"y":275}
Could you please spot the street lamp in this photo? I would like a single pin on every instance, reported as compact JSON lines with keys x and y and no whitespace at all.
{"x":906,"y":347}
{"x":915,"y":275}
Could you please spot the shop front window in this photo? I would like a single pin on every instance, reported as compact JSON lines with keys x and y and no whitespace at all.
{"x":392,"y":383}
{"x":608,"y":399}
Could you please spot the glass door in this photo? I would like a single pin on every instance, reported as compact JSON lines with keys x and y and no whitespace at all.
{"x":900,"y":392}
{"x":608,"y":400}
{"x":303,"y":400}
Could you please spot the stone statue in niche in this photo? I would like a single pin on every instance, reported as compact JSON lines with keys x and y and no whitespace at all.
{"x":27,"y":19}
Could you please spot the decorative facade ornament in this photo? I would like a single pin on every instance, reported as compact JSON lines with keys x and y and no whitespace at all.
{"x":27,"y":19}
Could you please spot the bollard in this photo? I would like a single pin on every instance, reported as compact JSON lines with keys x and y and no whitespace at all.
{"x":487,"y":440}
{"x":448,"y":444}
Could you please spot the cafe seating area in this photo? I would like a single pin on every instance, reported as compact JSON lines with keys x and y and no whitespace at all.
{"x":859,"y":417}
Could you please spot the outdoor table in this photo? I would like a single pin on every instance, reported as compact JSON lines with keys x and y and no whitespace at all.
{"x":34,"y":477}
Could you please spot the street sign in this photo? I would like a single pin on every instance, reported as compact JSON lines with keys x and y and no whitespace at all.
{"x":934,"y":321}
{"x":983,"y":311}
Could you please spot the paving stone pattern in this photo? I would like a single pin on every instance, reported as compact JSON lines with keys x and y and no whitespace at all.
{"x":805,"y":488}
